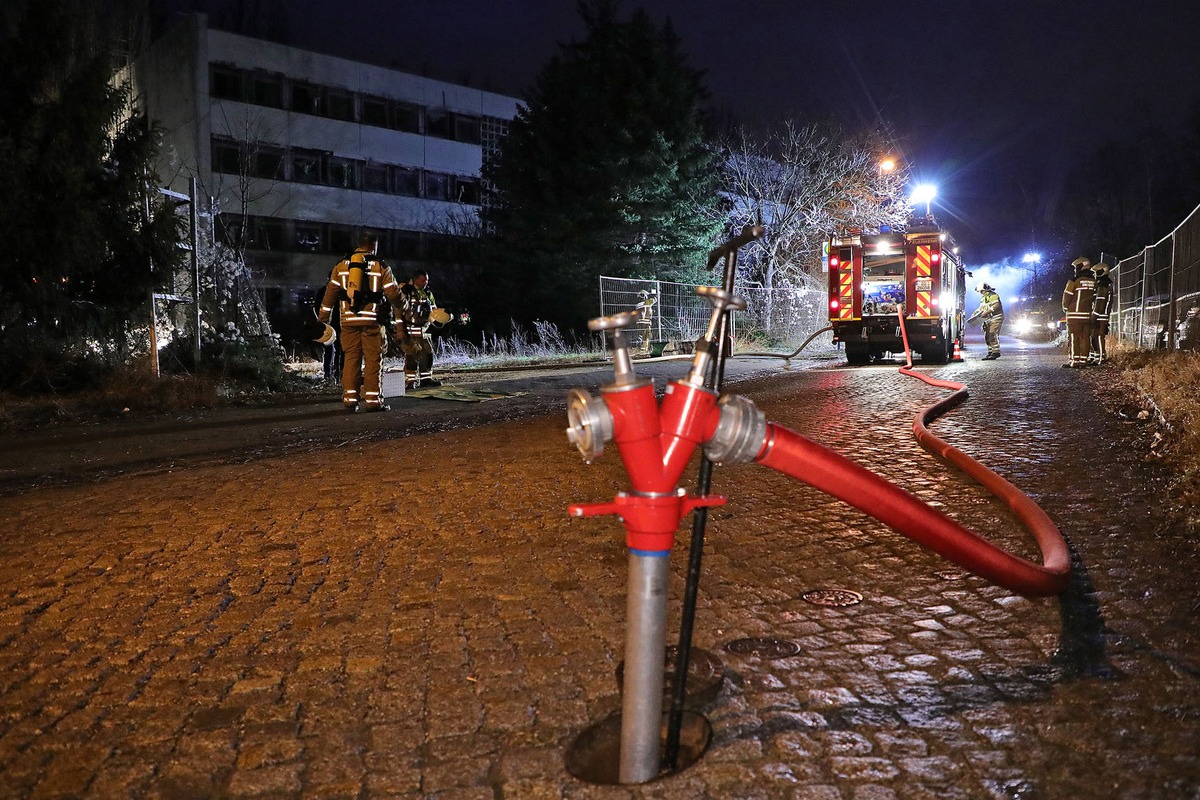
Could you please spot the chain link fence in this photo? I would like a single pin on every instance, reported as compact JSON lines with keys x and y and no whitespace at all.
{"x":778,"y":318}
{"x":1158,"y":291}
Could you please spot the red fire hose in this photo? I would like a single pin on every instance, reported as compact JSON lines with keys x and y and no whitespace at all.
{"x":1035,"y":580}
{"x":792,"y":454}
{"x":823,"y":469}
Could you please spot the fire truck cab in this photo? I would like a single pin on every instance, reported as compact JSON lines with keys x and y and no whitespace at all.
{"x":874,"y":278}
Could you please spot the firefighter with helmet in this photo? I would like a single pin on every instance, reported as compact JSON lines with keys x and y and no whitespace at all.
{"x":991,"y":316}
{"x":361,"y":286}
{"x":1101,"y":305}
{"x":1077,"y":302}
{"x":415,"y":341}
{"x":645,"y":308}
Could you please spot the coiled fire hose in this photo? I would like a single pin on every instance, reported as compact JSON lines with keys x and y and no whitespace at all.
{"x":1022,"y":575}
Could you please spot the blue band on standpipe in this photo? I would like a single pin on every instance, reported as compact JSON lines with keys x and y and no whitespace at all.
{"x":650,"y":553}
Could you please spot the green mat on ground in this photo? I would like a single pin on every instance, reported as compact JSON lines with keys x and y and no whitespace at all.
{"x":461,"y":393}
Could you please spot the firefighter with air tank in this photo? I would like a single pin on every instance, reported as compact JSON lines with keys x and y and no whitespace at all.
{"x":991,"y":316}
{"x":362,"y":287}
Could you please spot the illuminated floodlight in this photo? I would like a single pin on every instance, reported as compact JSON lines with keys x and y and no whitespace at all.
{"x":924,"y":193}
{"x":1032,"y":258}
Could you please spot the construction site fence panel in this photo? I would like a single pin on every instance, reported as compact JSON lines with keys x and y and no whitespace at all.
{"x":1158,"y":291}
{"x":775,"y":318}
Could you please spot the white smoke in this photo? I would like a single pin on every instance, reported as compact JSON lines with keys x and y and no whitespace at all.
{"x":1014,"y":284}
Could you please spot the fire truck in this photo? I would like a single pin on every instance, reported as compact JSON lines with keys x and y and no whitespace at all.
{"x":873,"y":278}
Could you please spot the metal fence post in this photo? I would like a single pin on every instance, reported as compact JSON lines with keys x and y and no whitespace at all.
{"x":1172,"y":316}
{"x":194,"y":218}
{"x":659,"y":315}
{"x":1147,"y":255}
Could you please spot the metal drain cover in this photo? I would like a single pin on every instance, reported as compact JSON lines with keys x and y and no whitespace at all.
{"x":763,"y":647}
{"x":832,"y":597}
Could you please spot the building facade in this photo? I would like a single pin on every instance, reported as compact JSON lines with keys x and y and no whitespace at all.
{"x":295,"y":153}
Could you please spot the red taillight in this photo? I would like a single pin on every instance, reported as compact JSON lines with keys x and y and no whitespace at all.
{"x":833,"y":261}
{"x":833,"y":304}
{"x":933,"y":301}
{"x":935,"y":257}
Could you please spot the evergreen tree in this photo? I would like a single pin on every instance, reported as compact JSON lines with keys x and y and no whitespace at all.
{"x":84,"y":244}
{"x":605,"y":171}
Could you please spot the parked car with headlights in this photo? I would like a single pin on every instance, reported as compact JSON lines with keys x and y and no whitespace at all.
{"x":1034,"y":326}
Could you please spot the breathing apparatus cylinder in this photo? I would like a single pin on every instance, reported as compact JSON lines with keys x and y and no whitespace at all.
{"x":354,"y":284}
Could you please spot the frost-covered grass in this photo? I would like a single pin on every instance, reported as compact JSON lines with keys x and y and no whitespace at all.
{"x":543,"y":344}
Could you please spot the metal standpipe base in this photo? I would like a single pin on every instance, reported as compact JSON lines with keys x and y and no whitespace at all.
{"x":628,"y":747}
{"x":593,"y":756}
{"x":645,"y":639}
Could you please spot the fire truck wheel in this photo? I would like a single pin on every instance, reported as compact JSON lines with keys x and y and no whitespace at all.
{"x":857,"y":354}
{"x":935,"y":353}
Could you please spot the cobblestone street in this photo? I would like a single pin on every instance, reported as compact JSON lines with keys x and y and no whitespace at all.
{"x":419,"y":617}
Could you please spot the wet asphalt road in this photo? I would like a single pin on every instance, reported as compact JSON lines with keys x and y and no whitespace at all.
{"x":326,"y":612}
{"x":290,"y":426}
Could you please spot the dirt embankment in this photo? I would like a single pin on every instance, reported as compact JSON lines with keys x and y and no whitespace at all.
{"x":1163,"y":389}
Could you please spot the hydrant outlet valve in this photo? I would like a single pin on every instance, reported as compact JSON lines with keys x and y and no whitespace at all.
{"x":741,"y":432}
{"x":589,"y":424}
{"x":650,"y":520}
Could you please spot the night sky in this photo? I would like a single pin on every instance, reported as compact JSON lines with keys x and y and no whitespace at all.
{"x":990,"y":101}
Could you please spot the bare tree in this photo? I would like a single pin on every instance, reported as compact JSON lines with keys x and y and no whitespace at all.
{"x":461,"y":221}
{"x":803,"y":183}
{"x":255,"y":175}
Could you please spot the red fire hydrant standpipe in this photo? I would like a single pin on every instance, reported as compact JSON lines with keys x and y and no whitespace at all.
{"x":656,"y":444}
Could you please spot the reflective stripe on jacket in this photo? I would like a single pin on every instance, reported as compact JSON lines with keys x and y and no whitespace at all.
{"x":378,"y":286}
{"x":1103,"y":297}
{"x":419,"y":304}
{"x":1078,"y":296}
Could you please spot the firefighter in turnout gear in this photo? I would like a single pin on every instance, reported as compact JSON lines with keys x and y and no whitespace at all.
{"x":645,"y":323}
{"x":1101,"y":305}
{"x":360,"y":285}
{"x":417,"y":344}
{"x":1077,"y":301}
{"x":991,"y":316}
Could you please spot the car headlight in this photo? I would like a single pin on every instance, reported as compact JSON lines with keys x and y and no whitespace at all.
{"x":1023,"y":326}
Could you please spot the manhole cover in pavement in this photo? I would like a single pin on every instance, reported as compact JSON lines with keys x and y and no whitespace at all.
{"x":763,"y":647}
{"x":832,"y":597}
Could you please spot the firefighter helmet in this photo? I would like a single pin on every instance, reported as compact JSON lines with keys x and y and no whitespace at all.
{"x":1083,"y":262}
{"x":1101,"y":269}
{"x":328,"y":336}
{"x":439,"y":316}
{"x":983,"y":287}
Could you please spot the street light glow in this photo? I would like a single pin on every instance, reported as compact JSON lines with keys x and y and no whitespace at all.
{"x":1033,"y":260}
